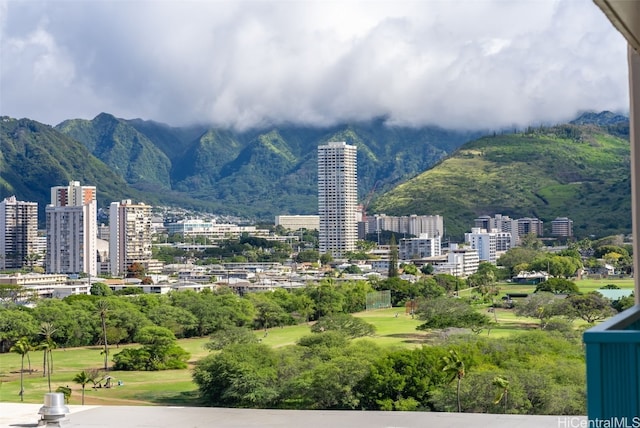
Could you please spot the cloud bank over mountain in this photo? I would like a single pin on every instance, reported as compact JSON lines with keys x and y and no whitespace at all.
{"x":255,"y":63}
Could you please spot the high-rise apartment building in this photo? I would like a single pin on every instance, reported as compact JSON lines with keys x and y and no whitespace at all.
{"x":528,"y":226}
{"x":500,"y":223}
{"x":337,"y":198}
{"x":129,"y":235}
{"x":562,"y":226}
{"x":484,"y":242}
{"x":72,"y":228}
{"x":18,"y":232}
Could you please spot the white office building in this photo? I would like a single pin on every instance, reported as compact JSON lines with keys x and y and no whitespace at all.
{"x":72,"y":228}
{"x":500,"y":223}
{"x":297,"y":222}
{"x":419,"y":248}
{"x":129,"y":235}
{"x":337,"y":198}
{"x":461,"y":262}
{"x":212,"y":230}
{"x":484,"y":242}
{"x":416,"y":225}
{"x":18,"y":232}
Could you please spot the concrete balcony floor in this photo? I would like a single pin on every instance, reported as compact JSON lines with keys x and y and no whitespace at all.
{"x":26,"y":415}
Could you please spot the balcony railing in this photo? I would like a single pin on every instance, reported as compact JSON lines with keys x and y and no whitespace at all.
{"x":613,"y":368}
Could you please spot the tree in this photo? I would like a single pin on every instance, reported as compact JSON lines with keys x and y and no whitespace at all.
{"x":346,"y":324}
{"x":103,"y":310}
{"x":231,"y":335}
{"x":311,"y":256}
{"x":543,"y":306}
{"x":353,"y":269}
{"x":136,"y":270}
{"x":326,"y":297}
{"x":83,"y":378}
{"x":393,"y":258}
{"x":100,"y":289}
{"x":427,"y":269}
{"x":591,"y":307}
{"x":503,"y":390}
{"x":557,"y":265}
{"x":326,"y":258}
{"x":484,"y":280}
{"x":241,"y":375}
{"x":31,"y":260}
{"x":454,"y":368}
{"x":623,"y":303}
{"x":517,"y":256}
{"x":15,"y":324}
{"x":267,"y":312}
{"x":558,"y":286}
{"x":531,"y":241}
{"x":179,"y":320}
{"x":160,"y":352}
{"x":22,"y":348}
{"x":48,"y":345}
{"x":409,"y":268}
{"x":443,"y":312}
{"x":66,"y":391}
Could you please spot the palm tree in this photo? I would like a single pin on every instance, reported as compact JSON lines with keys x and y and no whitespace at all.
{"x":454,"y":367}
{"x":103,"y":310}
{"x":48,"y":345}
{"x":503,"y":392}
{"x":21,"y":347}
{"x":83,"y":378}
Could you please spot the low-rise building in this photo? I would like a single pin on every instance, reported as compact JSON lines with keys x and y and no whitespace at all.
{"x":418,"y":248}
{"x":297,"y":222}
{"x":461,"y":262}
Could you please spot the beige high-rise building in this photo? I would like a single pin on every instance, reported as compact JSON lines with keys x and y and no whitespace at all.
{"x":18,"y":232}
{"x":129,"y":235}
{"x":562,"y":226}
{"x":337,"y":198}
{"x":72,"y":228}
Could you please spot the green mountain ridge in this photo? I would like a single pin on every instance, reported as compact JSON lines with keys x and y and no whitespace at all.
{"x":576,"y":171}
{"x":256,"y":173}
{"x":35,"y":157}
{"x":119,"y":145}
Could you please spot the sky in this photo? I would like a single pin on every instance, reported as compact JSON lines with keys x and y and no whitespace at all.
{"x":464,"y":64}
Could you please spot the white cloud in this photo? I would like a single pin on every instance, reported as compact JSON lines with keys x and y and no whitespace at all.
{"x":247,"y":63}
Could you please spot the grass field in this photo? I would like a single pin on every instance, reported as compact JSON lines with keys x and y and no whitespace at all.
{"x":175,"y":387}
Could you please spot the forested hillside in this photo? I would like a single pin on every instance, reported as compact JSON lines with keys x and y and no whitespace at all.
{"x":35,"y":157}
{"x":578,"y":171}
{"x":257,"y":173}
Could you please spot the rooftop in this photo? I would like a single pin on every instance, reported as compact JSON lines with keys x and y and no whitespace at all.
{"x":26,"y":415}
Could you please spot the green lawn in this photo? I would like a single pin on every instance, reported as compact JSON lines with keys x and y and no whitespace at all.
{"x":393,"y":328}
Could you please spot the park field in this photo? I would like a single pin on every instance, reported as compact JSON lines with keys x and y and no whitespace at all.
{"x":394,"y":328}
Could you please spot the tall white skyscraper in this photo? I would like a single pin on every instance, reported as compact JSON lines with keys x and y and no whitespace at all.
{"x":129,"y":235}
{"x":18,"y":232}
{"x":72,"y":229}
{"x":337,"y":198}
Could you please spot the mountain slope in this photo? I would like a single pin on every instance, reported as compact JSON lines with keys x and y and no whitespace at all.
{"x":256,"y":173}
{"x":119,"y":145}
{"x":34,"y":157}
{"x":581,"y":172}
